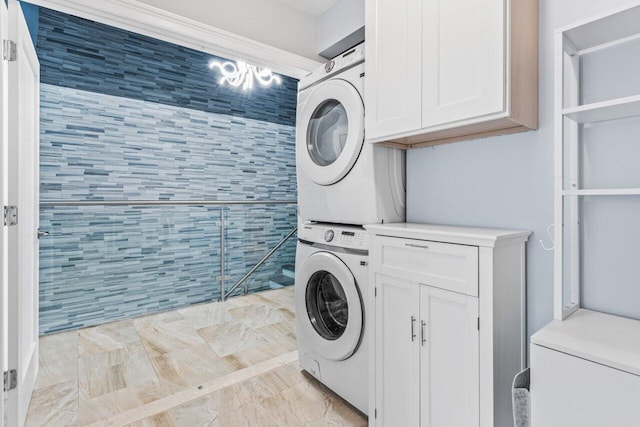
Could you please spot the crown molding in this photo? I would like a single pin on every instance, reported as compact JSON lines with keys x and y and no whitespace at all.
{"x":150,"y":21}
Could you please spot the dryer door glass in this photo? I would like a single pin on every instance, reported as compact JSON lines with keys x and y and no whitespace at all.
{"x":327,"y":132}
{"x":327,"y":305}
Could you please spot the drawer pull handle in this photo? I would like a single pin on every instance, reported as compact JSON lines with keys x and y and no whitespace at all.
{"x":424,"y":339}
{"x":413,"y":245}
{"x":413,"y":331}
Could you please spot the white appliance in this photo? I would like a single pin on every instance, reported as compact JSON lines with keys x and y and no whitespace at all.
{"x":331,"y":286}
{"x":340,"y":178}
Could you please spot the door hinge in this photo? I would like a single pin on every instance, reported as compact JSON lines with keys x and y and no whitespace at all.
{"x":9,"y":50}
{"x":10,"y":215}
{"x":375,"y":413}
{"x":375,"y":292}
{"x":478,"y":323}
{"x":10,"y":379}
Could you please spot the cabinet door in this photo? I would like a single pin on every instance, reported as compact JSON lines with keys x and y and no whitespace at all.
{"x":463,"y":60}
{"x":397,"y":352}
{"x":393,"y":67}
{"x":449,"y":359}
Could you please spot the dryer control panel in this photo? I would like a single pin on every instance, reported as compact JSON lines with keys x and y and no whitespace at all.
{"x":342,"y":236}
{"x":345,"y":60}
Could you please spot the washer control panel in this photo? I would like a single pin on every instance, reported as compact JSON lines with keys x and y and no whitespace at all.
{"x":343,"y":236}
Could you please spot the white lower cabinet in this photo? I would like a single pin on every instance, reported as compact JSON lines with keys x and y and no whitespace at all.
{"x":449,"y":371}
{"x":449,"y":324}
{"x":427,"y":345}
{"x":398,"y":385}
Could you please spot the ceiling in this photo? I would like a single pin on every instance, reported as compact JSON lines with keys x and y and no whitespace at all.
{"x":312,"y":7}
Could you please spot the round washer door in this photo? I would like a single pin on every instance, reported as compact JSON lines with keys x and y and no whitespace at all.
{"x":329,"y":307}
{"x":330,"y":131}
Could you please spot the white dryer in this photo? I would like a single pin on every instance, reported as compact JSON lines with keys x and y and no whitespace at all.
{"x":331,"y":287}
{"x":340,"y":178}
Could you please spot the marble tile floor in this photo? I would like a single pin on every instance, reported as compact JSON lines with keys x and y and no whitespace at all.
{"x":217,"y":364}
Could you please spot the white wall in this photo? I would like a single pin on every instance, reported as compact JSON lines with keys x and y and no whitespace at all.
{"x":507,"y":181}
{"x":272,"y":22}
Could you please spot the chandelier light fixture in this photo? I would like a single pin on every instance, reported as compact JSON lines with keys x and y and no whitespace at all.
{"x":242,"y":74}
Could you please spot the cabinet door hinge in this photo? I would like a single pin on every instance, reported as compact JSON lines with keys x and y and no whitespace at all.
{"x":10,"y":215}
{"x":10,"y":379}
{"x":375,"y":413}
{"x":375,"y":292}
{"x":478,"y":323}
{"x":9,"y":50}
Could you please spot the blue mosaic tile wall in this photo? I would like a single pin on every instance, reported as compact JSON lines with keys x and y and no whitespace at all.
{"x":102,"y":147}
{"x":128,"y":117}
{"x":86,"y":55}
{"x":107,"y":263}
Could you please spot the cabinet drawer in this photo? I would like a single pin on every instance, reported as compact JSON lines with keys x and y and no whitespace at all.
{"x":442,"y":265}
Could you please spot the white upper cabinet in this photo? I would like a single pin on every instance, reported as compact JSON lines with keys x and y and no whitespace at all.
{"x":440,"y":71}
{"x":463,"y":76}
{"x":393,"y":66}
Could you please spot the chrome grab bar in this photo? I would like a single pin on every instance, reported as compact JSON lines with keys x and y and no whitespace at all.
{"x":222,"y":245}
{"x":221,"y":203}
{"x":262,"y":261}
{"x":164,"y":202}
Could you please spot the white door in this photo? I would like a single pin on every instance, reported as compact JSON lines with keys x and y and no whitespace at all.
{"x":462,"y":60}
{"x":397,"y":370}
{"x":329,"y":306}
{"x":449,"y":359}
{"x":393,"y":52}
{"x":24,"y":81}
{"x":329,"y":131}
{"x":4,"y":31}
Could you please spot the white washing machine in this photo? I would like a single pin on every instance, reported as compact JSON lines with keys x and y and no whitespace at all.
{"x":331,"y":286}
{"x":340,"y":178}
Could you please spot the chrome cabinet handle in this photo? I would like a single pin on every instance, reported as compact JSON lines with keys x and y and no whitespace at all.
{"x":413,"y":245}
{"x":424,"y":340}
{"x":413,"y":325}
{"x":42,"y":233}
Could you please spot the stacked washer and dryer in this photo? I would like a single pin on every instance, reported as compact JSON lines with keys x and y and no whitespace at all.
{"x":343,"y":183}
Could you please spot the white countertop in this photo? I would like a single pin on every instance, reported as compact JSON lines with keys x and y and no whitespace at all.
{"x":477,"y":236}
{"x":602,"y":338}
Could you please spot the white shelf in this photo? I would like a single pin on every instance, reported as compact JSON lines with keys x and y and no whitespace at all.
{"x":615,"y":25}
{"x":605,"y":31}
{"x":602,"y":338}
{"x":603,"y":192}
{"x":613,"y":109}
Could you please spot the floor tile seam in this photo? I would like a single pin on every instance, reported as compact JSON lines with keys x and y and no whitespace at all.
{"x":146,"y":352}
{"x":191,"y":393}
{"x":78,"y":377}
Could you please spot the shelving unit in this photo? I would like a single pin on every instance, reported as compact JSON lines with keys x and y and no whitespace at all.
{"x":571,"y":43}
{"x":585,"y":365}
